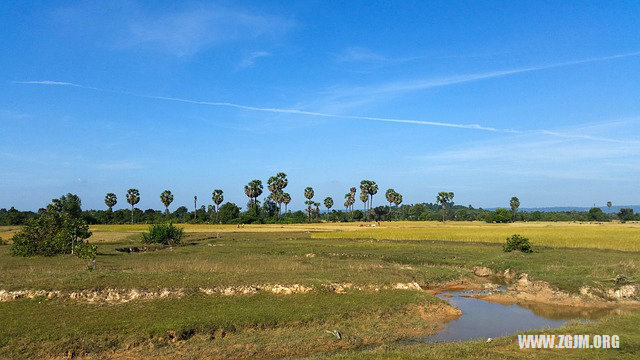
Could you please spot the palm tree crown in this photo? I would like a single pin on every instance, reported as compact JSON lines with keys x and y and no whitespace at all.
{"x":110,"y":200}
{"x":166,"y":198}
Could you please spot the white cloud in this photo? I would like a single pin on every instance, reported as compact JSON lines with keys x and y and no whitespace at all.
{"x":359,"y":54}
{"x":181,"y":32}
{"x":343,"y":97}
{"x":250,"y":60}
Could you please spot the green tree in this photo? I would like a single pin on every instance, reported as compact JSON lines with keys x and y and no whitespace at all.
{"x":229,"y":213}
{"x":133,"y":198}
{"x":166,"y":198}
{"x":514,"y":203}
{"x":609,"y":204}
{"x":328,"y":203}
{"x":308,"y":194}
{"x":53,"y":232}
{"x":253,"y":189}
{"x":69,"y":204}
{"x":276,"y":185}
{"x":110,"y":200}
{"x":217,"y":198}
{"x":444,"y":198}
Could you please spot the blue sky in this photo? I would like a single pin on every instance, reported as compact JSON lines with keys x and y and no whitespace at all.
{"x":485,"y":99}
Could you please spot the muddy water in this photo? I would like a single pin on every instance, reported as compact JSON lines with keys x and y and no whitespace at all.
{"x":482,"y":319}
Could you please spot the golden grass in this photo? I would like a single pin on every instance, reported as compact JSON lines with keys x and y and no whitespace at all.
{"x":615,"y":236}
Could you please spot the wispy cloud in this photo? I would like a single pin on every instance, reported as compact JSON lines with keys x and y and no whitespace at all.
{"x":337,"y":97}
{"x":292,"y":111}
{"x":536,"y":155}
{"x":359,"y":54}
{"x":250,"y":60}
{"x":54,"y":83}
{"x":119,"y":165}
{"x":184,"y":31}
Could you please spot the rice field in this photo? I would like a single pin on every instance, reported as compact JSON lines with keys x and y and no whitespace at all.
{"x":612,"y":236}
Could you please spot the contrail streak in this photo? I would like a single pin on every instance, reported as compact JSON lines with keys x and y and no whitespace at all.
{"x":397,"y":87}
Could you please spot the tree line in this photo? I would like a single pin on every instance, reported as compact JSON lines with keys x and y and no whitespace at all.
{"x":270,"y":209}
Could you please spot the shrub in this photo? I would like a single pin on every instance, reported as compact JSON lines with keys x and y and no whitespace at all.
{"x":517,"y":242}
{"x":3,"y":242}
{"x":499,"y":216}
{"x":165,"y":234}
{"x":50,"y":234}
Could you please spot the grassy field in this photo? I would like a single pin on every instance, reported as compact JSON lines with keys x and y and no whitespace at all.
{"x":614,"y":236}
{"x":374,"y":323}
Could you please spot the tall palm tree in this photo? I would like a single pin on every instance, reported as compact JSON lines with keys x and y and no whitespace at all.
{"x":328,"y":203}
{"x":217,"y":198}
{"x":276,"y":185}
{"x":253,"y":190}
{"x":609,"y":204}
{"x":514,"y":203}
{"x":364,"y":189}
{"x":443,"y":198}
{"x":195,"y":207}
{"x":110,"y":200}
{"x":390,"y":196}
{"x":166,"y":198}
{"x":133,"y":197}
{"x":397,"y":199}
{"x":286,"y":199}
{"x":364,"y":197}
{"x":353,"y":191}
{"x":373,"y":189}
{"x":308,"y":194}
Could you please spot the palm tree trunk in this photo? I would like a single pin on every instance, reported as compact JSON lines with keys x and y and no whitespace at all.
{"x":131,"y":214}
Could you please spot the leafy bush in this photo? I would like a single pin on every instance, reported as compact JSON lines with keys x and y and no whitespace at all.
{"x":499,"y":216}
{"x":87,"y":253}
{"x":517,"y":242}
{"x":3,"y":242}
{"x":50,"y":234}
{"x":165,"y":234}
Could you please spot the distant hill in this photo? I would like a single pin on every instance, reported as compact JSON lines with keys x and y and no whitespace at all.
{"x":614,"y":209}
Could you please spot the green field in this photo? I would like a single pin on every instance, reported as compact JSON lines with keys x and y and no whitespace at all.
{"x":375,"y":320}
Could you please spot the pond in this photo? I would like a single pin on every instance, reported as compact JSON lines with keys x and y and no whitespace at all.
{"x":483,"y":319}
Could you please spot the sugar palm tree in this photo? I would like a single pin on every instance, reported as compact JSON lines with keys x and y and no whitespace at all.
{"x":217,"y":198}
{"x":195,"y":206}
{"x":390,"y":196}
{"x":166,"y":198}
{"x":328,"y":203}
{"x":276,"y":185}
{"x":373,"y":189}
{"x":133,"y":197}
{"x":364,"y":189}
{"x":253,"y":190}
{"x":286,"y":199}
{"x":110,"y":200}
{"x":317,"y":211}
{"x":397,"y":200}
{"x":443,"y":198}
{"x":514,"y":203}
{"x":308,"y":194}
{"x":609,"y":204}
{"x":364,"y":197}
